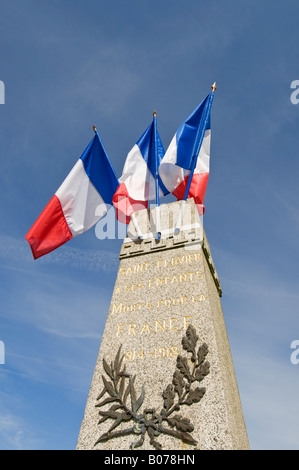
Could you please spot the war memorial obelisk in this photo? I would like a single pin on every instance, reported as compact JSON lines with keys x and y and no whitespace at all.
{"x":164,"y":377}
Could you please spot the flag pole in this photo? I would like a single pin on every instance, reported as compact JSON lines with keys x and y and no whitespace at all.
{"x":196,"y":148}
{"x":136,"y":226}
{"x":157,"y":208}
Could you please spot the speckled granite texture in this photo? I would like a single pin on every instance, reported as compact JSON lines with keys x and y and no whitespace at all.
{"x":162,"y":287}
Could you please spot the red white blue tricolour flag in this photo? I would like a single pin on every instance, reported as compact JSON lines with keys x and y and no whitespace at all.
{"x":138,"y":183}
{"x":192,"y":140}
{"x":83,"y":198}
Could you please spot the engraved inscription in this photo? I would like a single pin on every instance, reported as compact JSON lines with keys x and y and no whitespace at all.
{"x":170,"y":324}
{"x":190,"y":276}
{"x":188,"y":258}
{"x":156,"y":353}
{"x":176,"y":301}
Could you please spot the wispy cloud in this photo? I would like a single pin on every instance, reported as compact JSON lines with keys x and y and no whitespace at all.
{"x":264,"y":380}
{"x":14,"y":431}
{"x":15,"y":249}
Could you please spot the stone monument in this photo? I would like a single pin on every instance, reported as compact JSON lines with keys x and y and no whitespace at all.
{"x":164,"y":377}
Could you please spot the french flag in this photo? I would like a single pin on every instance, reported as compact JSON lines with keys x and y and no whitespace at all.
{"x":188,"y":155}
{"x":140,"y":181}
{"x":83,"y":198}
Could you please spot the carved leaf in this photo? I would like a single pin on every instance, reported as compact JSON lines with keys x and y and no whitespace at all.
{"x":116,"y":423}
{"x":112,"y":414}
{"x":202,"y":371}
{"x":184,"y":436}
{"x":137,"y":444}
{"x":109,"y":387}
{"x":126,"y":394}
{"x":118,"y":362}
{"x":128,"y":389}
{"x":168,"y":395}
{"x":107,"y":435}
{"x":183,"y":367}
{"x":108,"y":414}
{"x":139,"y":401}
{"x":111,"y":409}
{"x":180,"y":423}
{"x":122,"y":386}
{"x":201,"y":354}
{"x":178,"y":382}
{"x":195,"y":396}
{"x":107,"y":369}
{"x":104,"y":402}
{"x":189,"y":341}
{"x":102,"y":393}
{"x":119,"y":418}
{"x":134,"y":402}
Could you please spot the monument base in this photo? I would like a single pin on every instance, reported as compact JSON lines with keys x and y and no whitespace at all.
{"x":164,"y":377}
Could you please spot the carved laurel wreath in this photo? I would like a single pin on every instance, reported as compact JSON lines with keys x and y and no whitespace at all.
{"x":180,"y":392}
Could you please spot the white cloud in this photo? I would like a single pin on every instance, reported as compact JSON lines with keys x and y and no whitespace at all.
{"x":270,"y":391}
{"x":14,"y":249}
{"x":15,"y":433}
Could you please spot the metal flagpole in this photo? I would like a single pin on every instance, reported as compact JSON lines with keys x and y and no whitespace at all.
{"x":196,"y":148}
{"x":137,"y":228}
{"x":157,"y":208}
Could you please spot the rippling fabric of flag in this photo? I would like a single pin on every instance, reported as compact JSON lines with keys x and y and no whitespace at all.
{"x":138,"y":181}
{"x":83,"y":198}
{"x":190,"y":145}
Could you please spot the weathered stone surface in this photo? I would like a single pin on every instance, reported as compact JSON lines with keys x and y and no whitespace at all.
{"x":162,"y":288}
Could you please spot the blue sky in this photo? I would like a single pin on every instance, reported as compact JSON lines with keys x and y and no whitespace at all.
{"x":69,"y":65}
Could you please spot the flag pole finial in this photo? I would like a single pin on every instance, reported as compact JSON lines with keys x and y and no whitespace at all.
{"x":214,"y":86}
{"x":94,"y":128}
{"x":155,"y":113}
